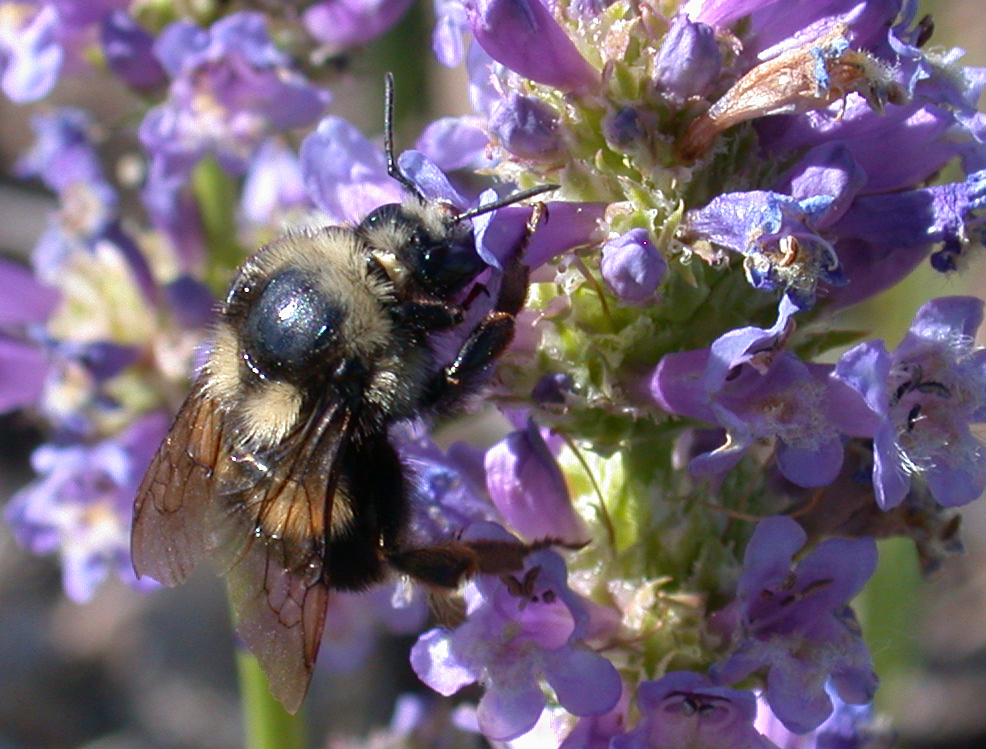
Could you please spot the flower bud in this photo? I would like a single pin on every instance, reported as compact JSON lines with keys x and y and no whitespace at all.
{"x":527,"y":487}
{"x":688,"y":62}
{"x":525,"y":126}
{"x":632,"y":267}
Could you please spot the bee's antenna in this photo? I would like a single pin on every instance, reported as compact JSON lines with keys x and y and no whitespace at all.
{"x":504,"y":201}
{"x":393,"y":170}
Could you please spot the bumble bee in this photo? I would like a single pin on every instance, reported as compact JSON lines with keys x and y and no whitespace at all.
{"x":279,"y":466}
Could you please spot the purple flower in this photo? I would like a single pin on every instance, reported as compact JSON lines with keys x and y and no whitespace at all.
{"x":345,"y":174}
{"x":748,"y":384}
{"x":688,"y":62}
{"x":520,"y":629}
{"x":528,"y":488}
{"x":23,"y":368}
{"x":342,"y":24}
{"x":451,"y":22}
{"x":129,"y":51}
{"x":848,"y":727}
{"x":523,"y":36}
{"x":781,"y":235}
{"x":455,"y":143}
{"x":796,"y":624}
{"x":26,"y":304}
{"x":64,"y":159}
{"x":525,"y":126}
{"x":684,"y":709}
{"x":883,"y":237}
{"x":871,"y":220}
{"x":925,"y":396}
{"x":230,"y":89}
{"x":81,"y":505}
{"x":450,"y":487}
{"x":31,"y":53}
{"x":274,"y":186}
{"x":633,"y":267}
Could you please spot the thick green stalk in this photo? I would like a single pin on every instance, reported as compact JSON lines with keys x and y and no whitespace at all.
{"x":266,"y":724}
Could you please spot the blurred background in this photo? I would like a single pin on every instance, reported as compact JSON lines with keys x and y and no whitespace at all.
{"x":157,"y":671}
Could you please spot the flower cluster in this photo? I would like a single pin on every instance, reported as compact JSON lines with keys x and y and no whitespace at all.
{"x":696,"y":454}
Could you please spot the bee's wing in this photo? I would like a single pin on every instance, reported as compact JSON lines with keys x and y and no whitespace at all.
{"x":272,"y":541}
{"x":175,"y":499}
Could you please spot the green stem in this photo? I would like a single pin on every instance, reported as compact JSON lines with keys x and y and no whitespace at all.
{"x":266,"y":723}
{"x":216,"y":196}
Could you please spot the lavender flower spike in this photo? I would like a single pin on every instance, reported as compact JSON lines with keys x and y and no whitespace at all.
{"x":796,"y":625}
{"x":925,"y":396}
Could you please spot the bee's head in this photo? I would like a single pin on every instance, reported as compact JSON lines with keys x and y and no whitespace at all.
{"x":429,"y":241}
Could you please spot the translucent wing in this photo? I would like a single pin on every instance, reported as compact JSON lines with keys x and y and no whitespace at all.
{"x":174,"y":502}
{"x":272,"y":539}
{"x":263,"y":519}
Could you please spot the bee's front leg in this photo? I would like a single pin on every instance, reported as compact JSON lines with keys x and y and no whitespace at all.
{"x":460,"y":378}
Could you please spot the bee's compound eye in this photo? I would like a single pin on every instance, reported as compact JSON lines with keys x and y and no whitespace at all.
{"x":448,"y":265}
{"x":290,"y":323}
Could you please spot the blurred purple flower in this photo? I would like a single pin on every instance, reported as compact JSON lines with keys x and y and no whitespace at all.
{"x":64,"y":158}
{"x":129,"y":50}
{"x":30,"y":52}
{"x":528,"y":488}
{"x":345,"y":174}
{"x":231,"y":88}
{"x":274,"y":186}
{"x":520,"y":629}
{"x":632,"y":267}
{"x":451,"y":22}
{"x":796,"y":624}
{"x":455,"y":143}
{"x":354,"y":621}
{"x":23,"y":368}
{"x":81,"y":506}
{"x":925,"y":396}
{"x":748,"y":384}
{"x":25,"y":306}
{"x":342,"y":24}
{"x":39,"y":39}
{"x":684,"y":709}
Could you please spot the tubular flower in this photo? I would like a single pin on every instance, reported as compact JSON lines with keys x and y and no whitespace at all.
{"x":796,"y":624}
{"x":520,"y":629}
{"x":925,"y":395}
